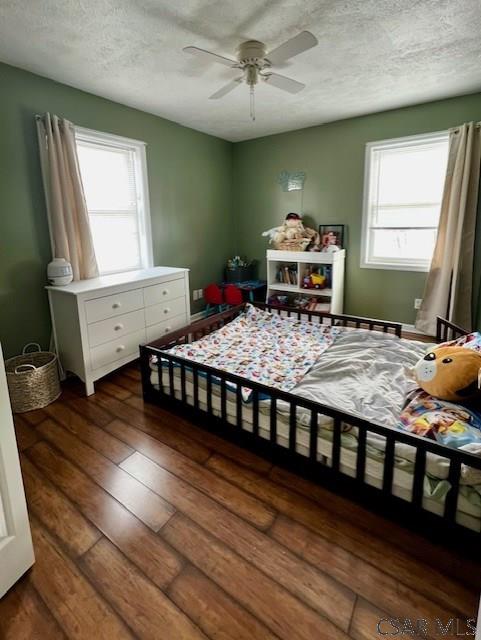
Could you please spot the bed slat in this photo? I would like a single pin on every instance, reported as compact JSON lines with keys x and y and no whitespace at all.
{"x":418,"y":481}
{"x":171,"y":379}
{"x":273,"y":429}
{"x":336,"y":444}
{"x":223,"y":399}
{"x":195,"y":379}
{"x":182,"y":382}
{"x":451,"y":503}
{"x":292,"y":427}
{"x":313,"y":436}
{"x":238,"y":404}
{"x":388,"y":466}
{"x":361,"y":454}
{"x":209,"y":393}
{"x":160,"y":374}
{"x":255,"y":412}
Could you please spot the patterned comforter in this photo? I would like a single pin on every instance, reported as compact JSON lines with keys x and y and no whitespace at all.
{"x":262,"y":347}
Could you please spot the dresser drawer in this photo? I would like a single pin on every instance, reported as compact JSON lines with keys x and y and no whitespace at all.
{"x":165,"y":291}
{"x":164,"y":311}
{"x":116,"y":327}
{"x":116,"y":349}
{"x":156,"y":331}
{"x":115,"y":305}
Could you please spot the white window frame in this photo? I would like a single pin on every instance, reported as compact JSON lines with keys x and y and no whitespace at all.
{"x":368,"y":262}
{"x":142,"y":185}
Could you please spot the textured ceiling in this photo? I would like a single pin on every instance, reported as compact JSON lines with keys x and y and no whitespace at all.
{"x":372,"y":55}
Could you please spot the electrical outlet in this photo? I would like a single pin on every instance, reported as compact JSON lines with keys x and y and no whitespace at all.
{"x":195,"y":294}
{"x":200,"y":293}
{"x":417,"y":303}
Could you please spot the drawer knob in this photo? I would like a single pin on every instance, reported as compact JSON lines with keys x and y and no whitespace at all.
{"x":166,"y":310}
{"x":165,"y":292}
{"x":167,"y":329}
{"x":118,"y":327}
{"x":120,"y":348}
{"x":116,"y":305}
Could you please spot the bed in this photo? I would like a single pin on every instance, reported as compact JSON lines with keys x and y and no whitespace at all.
{"x":337,"y":433}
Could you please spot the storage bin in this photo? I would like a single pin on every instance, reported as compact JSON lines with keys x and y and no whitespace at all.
{"x":32,"y":378}
{"x":240,"y":274}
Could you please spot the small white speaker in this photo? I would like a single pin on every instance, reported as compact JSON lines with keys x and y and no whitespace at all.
{"x":59,"y":272}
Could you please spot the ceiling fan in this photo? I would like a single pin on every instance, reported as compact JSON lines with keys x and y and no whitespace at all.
{"x":255,"y":63}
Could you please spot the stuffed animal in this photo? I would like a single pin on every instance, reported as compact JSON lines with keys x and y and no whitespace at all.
{"x":293,"y":230}
{"x":450,"y":373}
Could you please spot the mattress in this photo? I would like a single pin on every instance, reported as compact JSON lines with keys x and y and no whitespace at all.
{"x":366,"y":374}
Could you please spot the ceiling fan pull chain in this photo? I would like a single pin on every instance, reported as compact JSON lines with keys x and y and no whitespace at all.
{"x":253,"y":105}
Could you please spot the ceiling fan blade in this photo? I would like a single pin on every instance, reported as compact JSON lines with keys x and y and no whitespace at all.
{"x":212,"y":57}
{"x":226,"y":89}
{"x":284,"y":83}
{"x":293,"y":47}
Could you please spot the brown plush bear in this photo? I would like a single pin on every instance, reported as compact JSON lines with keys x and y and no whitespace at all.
{"x":450,"y":373}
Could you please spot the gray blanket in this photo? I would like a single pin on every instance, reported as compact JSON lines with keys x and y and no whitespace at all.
{"x":365,"y":373}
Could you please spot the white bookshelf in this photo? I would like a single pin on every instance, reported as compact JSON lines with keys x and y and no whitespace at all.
{"x":332,"y":297}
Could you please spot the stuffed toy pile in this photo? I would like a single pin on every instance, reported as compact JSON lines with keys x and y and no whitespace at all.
{"x":293,"y":230}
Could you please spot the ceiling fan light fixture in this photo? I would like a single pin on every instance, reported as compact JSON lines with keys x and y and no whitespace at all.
{"x":255,"y":62}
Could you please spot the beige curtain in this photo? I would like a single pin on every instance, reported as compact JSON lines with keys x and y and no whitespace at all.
{"x":69,"y":226}
{"x":448,"y":290}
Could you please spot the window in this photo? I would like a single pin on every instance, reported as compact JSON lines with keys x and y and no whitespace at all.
{"x":114,"y":177}
{"x":403,"y":188}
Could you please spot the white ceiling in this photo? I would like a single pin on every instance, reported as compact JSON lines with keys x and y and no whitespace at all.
{"x":372,"y":55}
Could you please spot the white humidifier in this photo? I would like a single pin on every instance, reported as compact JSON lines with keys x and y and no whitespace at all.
{"x":59,"y":272}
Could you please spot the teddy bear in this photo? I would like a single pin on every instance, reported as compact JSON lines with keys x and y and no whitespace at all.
{"x":450,"y":373}
{"x":293,"y":229}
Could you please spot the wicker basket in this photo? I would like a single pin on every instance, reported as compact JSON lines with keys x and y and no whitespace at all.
{"x":32,"y":379}
{"x":292,"y":245}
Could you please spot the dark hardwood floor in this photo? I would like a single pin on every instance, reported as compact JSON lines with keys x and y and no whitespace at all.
{"x":147,"y":526}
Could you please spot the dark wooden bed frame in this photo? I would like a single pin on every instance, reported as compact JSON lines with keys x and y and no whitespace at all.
{"x":409,"y":513}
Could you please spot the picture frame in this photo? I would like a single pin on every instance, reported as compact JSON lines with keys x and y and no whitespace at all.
{"x":332,"y":235}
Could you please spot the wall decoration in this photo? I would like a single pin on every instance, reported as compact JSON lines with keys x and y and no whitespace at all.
{"x":332,"y":237}
{"x":292,"y":180}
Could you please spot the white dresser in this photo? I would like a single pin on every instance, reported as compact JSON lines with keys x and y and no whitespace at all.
{"x":99,"y":323}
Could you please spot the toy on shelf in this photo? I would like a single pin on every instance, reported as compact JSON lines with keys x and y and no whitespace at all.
{"x":292,"y":235}
{"x":314,"y":280}
{"x":278,"y":300}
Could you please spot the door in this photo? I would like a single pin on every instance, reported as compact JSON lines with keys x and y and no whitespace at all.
{"x":16,"y":551}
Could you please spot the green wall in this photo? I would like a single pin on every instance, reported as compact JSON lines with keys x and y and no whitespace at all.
{"x":190,"y":195}
{"x":333,"y":157}
{"x":209,"y":198}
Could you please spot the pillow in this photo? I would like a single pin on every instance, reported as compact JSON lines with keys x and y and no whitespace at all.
{"x":449,"y":424}
{"x":469,"y":341}
{"x":450,"y":373}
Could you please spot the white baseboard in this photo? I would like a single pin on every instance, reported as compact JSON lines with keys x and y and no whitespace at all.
{"x":410,"y":328}
{"x":197,"y":316}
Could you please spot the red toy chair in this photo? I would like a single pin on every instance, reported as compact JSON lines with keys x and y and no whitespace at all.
{"x":213,"y":298}
{"x":232,"y":295}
